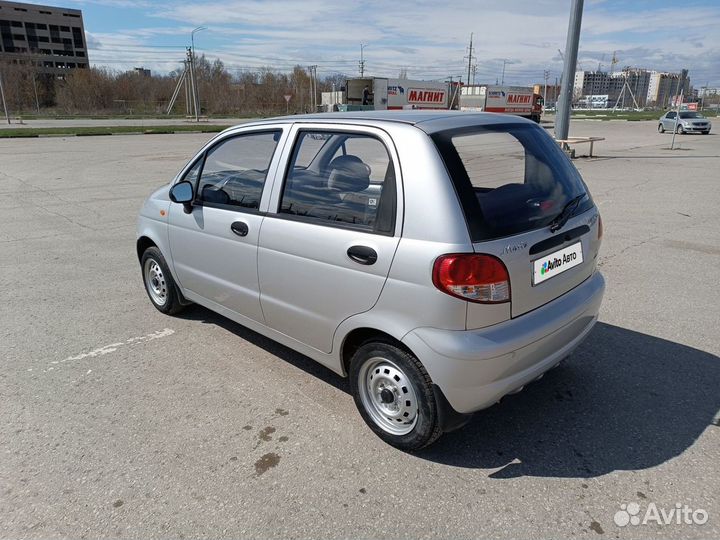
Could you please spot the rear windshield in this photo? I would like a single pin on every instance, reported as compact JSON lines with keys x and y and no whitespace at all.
{"x":510,"y":178}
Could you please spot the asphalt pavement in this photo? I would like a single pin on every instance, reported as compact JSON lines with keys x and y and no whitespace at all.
{"x":118,"y":421}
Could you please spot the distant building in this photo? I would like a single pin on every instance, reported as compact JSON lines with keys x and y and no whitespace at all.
{"x":650,"y":88}
{"x":638,"y":81}
{"x":50,"y":38}
{"x":707,"y":91}
{"x":663,"y":86}
{"x":590,"y":83}
{"x":143,"y":72}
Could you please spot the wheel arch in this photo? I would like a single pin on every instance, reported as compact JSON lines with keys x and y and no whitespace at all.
{"x":142,"y":244}
{"x":358,"y":336}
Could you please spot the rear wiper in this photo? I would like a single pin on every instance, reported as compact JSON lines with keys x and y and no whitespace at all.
{"x":568,"y":210}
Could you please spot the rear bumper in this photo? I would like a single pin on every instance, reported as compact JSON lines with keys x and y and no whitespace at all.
{"x":475,"y":368}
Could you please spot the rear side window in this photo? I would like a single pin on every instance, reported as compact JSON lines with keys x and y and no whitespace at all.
{"x":341,"y":179}
{"x":510,"y":178}
{"x":234,"y":171}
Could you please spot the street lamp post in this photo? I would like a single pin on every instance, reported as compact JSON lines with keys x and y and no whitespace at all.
{"x":192,"y":67}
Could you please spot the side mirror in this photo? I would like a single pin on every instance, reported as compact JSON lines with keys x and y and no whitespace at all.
{"x":182,"y":193}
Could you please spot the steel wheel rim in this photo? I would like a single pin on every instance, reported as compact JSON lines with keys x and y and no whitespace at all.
{"x":388,"y":396}
{"x":155,"y":282}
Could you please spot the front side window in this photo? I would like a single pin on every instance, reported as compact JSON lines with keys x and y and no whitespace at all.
{"x":235,"y":170}
{"x":341,"y":179}
{"x":510,"y":178}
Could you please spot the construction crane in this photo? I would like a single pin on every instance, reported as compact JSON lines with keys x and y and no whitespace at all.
{"x":613,"y":62}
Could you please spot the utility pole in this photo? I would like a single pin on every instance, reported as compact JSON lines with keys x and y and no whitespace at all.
{"x":313,"y":87}
{"x":193,"y":84}
{"x":2,"y":94}
{"x":562,"y":119}
{"x":546,"y":74}
{"x":677,"y":118}
{"x":188,"y":97}
{"x":470,"y":57}
{"x":503,"y":72}
{"x":315,"y":105}
{"x":474,"y":72}
{"x":361,"y":64}
{"x":196,"y":90}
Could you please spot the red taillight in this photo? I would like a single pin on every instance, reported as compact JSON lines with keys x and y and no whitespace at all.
{"x":474,"y":277}
{"x":600,"y":228}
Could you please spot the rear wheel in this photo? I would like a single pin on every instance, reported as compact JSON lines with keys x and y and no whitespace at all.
{"x":394,"y":395}
{"x":661,"y":128}
{"x":159,"y":283}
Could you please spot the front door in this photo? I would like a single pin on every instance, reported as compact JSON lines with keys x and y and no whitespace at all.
{"x":214,"y":247}
{"x":326,"y":251}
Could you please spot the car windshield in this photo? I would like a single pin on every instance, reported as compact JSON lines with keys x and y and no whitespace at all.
{"x":510,"y":178}
{"x":691,"y":115}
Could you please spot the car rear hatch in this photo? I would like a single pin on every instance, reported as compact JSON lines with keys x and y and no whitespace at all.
{"x":526,"y":204}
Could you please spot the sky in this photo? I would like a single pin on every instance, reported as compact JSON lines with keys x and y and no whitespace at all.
{"x":427,"y":38}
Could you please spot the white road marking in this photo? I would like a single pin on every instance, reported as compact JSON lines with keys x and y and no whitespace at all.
{"x":112,"y":347}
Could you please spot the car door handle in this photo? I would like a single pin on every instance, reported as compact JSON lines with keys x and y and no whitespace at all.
{"x":362,"y":254}
{"x":240,"y":228}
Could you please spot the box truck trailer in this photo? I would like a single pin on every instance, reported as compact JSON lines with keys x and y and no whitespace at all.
{"x":517,"y":100}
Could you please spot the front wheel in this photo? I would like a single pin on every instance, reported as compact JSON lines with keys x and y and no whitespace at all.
{"x":394,"y":395}
{"x":680,"y":130}
{"x":159,"y":283}
{"x":661,"y":128}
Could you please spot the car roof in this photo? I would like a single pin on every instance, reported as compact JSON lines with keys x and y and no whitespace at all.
{"x":428,"y":121}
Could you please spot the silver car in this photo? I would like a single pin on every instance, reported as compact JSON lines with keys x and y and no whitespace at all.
{"x":440,"y":260}
{"x":686,"y":122}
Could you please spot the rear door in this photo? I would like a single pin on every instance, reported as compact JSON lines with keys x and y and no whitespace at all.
{"x":328,"y":241}
{"x":514,"y":183}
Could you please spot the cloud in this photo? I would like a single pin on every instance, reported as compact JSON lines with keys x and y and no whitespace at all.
{"x":428,"y":39}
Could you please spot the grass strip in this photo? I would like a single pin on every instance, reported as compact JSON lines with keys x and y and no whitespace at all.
{"x":107,"y":130}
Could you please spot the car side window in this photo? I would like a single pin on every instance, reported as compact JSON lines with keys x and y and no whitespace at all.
{"x":670,"y":115}
{"x":235,"y":170}
{"x":193,"y":173}
{"x":351,"y":182}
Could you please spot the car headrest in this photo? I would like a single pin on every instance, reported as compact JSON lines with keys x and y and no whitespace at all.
{"x":348,"y":174}
{"x":213,"y":194}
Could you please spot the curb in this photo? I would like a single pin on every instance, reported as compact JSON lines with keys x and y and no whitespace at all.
{"x":62,"y":135}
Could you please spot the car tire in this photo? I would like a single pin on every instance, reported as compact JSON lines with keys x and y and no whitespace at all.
{"x":680,"y":130}
{"x":394,"y":395}
{"x":159,"y":283}
{"x":661,"y":128}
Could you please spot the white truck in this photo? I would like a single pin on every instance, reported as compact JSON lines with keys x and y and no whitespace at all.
{"x":517,"y":100}
{"x":382,"y":94}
